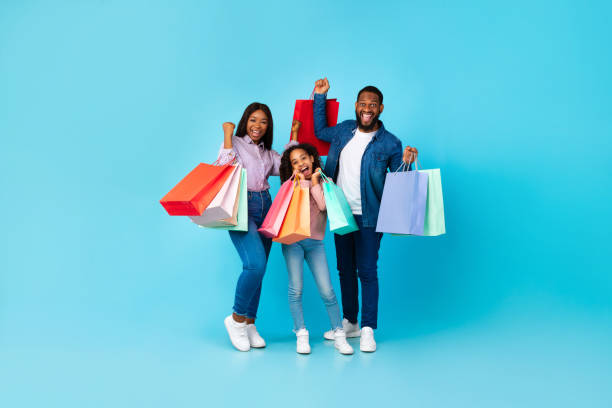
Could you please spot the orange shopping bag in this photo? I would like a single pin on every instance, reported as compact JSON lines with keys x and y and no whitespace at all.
{"x":194,"y":193}
{"x":296,"y":225}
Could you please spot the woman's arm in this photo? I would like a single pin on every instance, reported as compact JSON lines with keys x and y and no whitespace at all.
{"x":227,"y":154}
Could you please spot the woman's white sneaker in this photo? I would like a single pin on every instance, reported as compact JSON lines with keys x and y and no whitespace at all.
{"x":237,"y":333}
{"x":340,"y":342}
{"x":351,"y":330}
{"x":255,"y":340}
{"x":367,"y":343}
{"x":303,"y":346}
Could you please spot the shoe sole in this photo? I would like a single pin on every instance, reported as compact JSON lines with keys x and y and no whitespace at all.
{"x":367,"y":351}
{"x":228,"y":333}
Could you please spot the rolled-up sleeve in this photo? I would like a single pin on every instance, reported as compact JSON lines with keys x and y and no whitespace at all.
{"x":226,"y":156}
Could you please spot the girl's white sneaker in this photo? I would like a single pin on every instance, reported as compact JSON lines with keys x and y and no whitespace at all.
{"x":340,"y":342}
{"x":255,"y":340}
{"x":351,"y":330}
{"x":303,"y":347}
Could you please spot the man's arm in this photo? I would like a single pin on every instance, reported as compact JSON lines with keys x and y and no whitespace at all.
{"x":320,"y":112}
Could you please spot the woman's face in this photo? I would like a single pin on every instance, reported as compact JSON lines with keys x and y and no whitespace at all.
{"x":302,"y":162}
{"x":257,"y":124}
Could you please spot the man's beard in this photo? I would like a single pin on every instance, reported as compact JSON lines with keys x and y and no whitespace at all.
{"x":368,"y":128}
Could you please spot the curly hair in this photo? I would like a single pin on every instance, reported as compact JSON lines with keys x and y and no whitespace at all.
{"x":242,"y":125}
{"x":286,"y":169}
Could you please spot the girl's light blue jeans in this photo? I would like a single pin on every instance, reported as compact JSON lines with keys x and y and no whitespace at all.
{"x":313,"y":252}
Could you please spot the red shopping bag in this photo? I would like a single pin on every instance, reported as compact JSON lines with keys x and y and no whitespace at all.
{"x":194,"y":193}
{"x":304,"y":111}
{"x":276,"y":214}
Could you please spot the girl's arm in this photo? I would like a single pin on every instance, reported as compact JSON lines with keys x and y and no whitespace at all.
{"x":316,"y":190}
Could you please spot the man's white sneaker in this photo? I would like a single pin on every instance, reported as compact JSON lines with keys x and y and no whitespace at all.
{"x":303,"y":347}
{"x":367,"y":343}
{"x":351,"y":330}
{"x":237,"y":333}
{"x":255,"y":340}
{"x":340,"y":342}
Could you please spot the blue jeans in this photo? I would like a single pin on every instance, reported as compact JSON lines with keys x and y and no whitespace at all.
{"x":357,"y":255}
{"x":253,"y":249}
{"x":313,"y":252}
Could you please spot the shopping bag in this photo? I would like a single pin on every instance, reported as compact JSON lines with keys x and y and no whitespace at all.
{"x":276,"y":214}
{"x":402,"y":208}
{"x":296,"y":225}
{"x":242,"y":213}
{"x":304,"y":113}
{"x":224,"y":205}
{"x":195,"y":192}
{"x":434,"y":212}
{"x":341,"y":220}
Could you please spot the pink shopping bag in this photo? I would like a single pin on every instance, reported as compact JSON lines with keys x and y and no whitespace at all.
{"x":276,"y":214}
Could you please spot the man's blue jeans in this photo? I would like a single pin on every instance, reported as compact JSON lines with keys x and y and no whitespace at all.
{"x":253,"y":249}
{"x":313,"y":251}
{"x":357,"y":256}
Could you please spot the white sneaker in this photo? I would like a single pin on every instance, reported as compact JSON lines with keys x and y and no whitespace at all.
{"x":303,"y":347}
{"x":351,"y":330}
{"x":367,"y":343}
{"x":255,"y":340}
{"x":237,"y":333}
{"x":340,"y":342}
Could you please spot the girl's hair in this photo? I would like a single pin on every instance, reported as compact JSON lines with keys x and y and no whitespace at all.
{"x":286,"y":169}
{"x":242,"y":125}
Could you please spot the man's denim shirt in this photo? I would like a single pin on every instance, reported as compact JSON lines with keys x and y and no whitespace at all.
{"x":382,"y":153}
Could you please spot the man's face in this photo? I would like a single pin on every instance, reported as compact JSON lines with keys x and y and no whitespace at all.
{"x":367,"y":110}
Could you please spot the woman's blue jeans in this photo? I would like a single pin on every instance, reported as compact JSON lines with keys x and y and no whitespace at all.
{"x":253,"y":249}
{"x":313,"y":251}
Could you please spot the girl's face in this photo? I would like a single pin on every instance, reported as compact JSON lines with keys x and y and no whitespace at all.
{"x":301,"y":161}
{"x":257,"y":124}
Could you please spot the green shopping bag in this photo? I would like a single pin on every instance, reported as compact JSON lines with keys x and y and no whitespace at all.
{"x":434,"y":213}
{"x":243,"y":208}
{"x":341,"y":220}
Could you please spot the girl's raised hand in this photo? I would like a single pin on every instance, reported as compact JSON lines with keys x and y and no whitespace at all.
{"x":295,"y":128}
{"x":296,"y":174}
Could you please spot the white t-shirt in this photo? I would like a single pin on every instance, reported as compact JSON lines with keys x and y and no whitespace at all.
{"x":349,"y":174}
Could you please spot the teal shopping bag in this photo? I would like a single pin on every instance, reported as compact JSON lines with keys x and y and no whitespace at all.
{"x":243,"y":208}
{"x":434,"y":212}
{"x":341,"y":220}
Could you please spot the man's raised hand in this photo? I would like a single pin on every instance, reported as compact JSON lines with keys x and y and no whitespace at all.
{"x":321,"y":86}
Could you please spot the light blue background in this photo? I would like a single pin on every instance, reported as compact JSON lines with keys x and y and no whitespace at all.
{"x":105,"y":300}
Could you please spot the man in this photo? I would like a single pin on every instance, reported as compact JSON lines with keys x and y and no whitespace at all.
{"x":360,"y":154}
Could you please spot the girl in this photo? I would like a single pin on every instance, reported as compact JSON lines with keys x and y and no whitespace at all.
{"x":303,"y":162}
{"x":252,"y":148}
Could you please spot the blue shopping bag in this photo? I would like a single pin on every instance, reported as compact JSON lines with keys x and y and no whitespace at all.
{"x":403,"y":204}
{"x":341,"y":220}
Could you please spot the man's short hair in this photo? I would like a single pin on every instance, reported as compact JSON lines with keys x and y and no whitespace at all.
{"x":372,"y":89}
